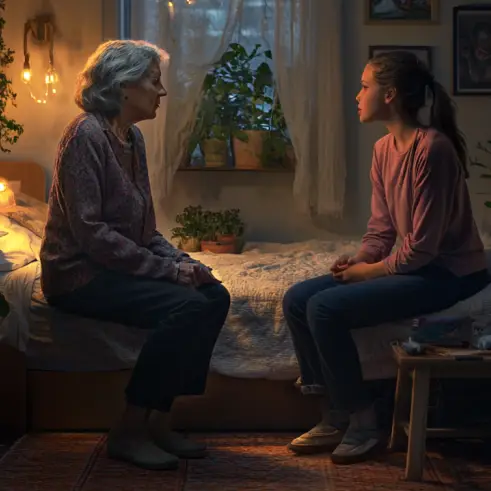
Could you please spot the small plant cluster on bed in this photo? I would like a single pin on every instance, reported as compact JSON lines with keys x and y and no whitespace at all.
{"x":212,"y":231}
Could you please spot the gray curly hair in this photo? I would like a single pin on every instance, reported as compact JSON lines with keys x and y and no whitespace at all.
{"x":98,"y":87}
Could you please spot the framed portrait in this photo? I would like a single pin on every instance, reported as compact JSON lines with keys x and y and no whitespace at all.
{"x":402,"y":11}
{"x":472,"y":50}
{"x":422,"y":52}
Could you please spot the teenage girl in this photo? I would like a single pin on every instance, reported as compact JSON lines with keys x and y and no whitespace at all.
{"x":419,"y":194}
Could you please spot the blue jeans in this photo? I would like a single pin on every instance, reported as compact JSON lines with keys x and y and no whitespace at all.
{"x":321,"y":313}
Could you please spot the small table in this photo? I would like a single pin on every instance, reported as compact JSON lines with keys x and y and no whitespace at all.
{"x":438,"y":363}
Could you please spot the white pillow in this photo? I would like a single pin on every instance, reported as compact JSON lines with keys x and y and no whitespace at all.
{"x":18,"y":246}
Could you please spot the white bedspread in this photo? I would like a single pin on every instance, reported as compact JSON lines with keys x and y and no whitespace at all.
{"x":254,"y":343}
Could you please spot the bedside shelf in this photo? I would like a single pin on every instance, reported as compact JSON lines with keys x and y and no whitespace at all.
{"x":234,"y":169}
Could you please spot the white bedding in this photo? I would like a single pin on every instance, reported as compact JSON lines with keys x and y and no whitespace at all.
{"x":254,"y":343}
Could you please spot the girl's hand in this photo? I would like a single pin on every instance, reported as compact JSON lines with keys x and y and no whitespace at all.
{"x":355,"y":273}
{"x":342,"y":262}
{"x":361,"y":271}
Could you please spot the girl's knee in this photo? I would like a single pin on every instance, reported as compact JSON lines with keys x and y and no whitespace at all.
{"x":322,"y":311}
{"x":294,"y":299}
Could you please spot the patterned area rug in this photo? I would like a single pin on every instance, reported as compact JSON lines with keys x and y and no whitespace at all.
{"x":237,"y":462}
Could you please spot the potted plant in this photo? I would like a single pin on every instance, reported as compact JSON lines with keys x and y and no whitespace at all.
{"x":277,"y":146}
{"x":259,"y":136}
{"x":10,"y":130}
{"x":213,"y":237}
{"x":248,"y":101}
{"x":231,"y":229}
{"x":215,"y":119}
{"x":190,"y":230}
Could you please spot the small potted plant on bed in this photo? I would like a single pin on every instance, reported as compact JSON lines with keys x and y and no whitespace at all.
{"x":213,"y":237}
{"x":231,"y":229}
{"x":190,"y":230}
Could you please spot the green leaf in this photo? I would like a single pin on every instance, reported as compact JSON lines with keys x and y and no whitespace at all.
{"x":243,"y":137}
{"x":487,"y":204}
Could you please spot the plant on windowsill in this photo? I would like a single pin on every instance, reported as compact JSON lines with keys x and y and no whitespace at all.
{"x":240,"y":104}
{"x":214,"y":123}
{"x":10,"y":130}
{"x":190,"y":230}
{"x":277,"y":151}
{"x":252,"y":101}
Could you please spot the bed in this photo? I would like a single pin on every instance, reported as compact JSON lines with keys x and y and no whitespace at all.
{"x":70,"y":372}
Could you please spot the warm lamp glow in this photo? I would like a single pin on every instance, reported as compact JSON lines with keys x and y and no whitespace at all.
{"x":7,"y":197}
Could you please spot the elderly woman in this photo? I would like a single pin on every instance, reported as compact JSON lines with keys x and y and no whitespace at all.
{"x":103,"y":258}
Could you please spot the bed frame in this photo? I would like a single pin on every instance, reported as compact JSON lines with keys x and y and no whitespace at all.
{"x":36,"y":400}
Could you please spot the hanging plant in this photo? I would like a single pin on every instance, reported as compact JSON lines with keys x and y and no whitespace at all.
{"x":10,"y":130}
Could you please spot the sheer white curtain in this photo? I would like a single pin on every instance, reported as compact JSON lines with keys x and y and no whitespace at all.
{"x":305,"y":38}
{"x":194,"y":33}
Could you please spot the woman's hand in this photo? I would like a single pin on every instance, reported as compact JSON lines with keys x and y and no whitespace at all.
{"x":189,"y":274}
{"x":206,"y":277}
{"x":195,"y":274}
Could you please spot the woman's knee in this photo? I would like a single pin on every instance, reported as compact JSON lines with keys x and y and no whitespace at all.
{"x":221,"y":294}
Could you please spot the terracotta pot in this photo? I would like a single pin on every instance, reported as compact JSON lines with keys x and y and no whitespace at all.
{"x":248,"y":154}
{"x":190,"y":244}
{"x":218,"y":247}
{"x":215,"y":152}
{"x":226,"y":239}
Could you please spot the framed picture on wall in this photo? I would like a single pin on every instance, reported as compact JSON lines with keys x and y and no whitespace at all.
{"x":422,"y":52}
{"x":472,"y":50}
{"x":402,"y":11}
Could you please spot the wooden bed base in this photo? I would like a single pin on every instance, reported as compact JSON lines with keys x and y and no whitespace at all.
{"x":35,"y":400}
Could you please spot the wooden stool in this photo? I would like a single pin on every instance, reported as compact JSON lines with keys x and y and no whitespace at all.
{"x":438,"y":364}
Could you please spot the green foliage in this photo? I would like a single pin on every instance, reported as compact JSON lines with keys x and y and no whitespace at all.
{"x":239,"y":95}
{"x":207,"y":225}
{"x":10,"y":130}
{"x":231,"y":223}
{"x":191,"y":223}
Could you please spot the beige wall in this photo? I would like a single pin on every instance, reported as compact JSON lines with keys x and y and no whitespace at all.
{"x":265,"y":199}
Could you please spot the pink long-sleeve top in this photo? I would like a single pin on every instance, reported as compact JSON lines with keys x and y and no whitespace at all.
{"x":420,"y":196}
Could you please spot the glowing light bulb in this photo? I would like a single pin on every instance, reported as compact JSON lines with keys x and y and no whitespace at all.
{"x":51,"y":77}
{"x":26,"y":75}
{"x":3,"y":187}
